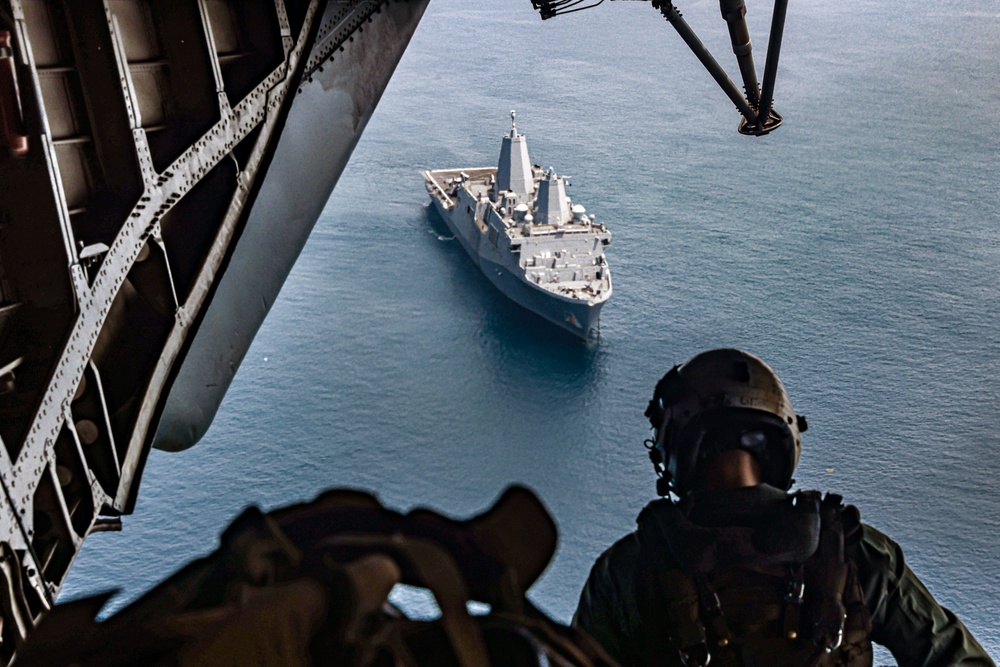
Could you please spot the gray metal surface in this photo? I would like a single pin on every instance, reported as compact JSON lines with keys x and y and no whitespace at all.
{"x":169,"y":183}
{"x":527,"y":236}
{"x":326,"y":119}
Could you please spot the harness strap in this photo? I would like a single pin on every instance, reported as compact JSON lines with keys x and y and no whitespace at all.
{"x":826,"y":577}
{"x":667,"y":600}
{"x":712,"y":610}
{"x":683,"y":607}
{"x":793,"y":601}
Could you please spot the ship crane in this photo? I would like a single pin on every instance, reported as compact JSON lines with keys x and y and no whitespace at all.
{"x":755,"y":103}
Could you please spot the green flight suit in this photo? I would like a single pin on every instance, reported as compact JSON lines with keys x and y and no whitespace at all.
{"x":905,"y":617}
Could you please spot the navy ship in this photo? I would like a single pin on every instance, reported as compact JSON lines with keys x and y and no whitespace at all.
{"x":158,"y":179}
{"x":539,"y":248}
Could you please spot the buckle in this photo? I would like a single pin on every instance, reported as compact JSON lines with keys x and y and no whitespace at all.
{"x":695,"y":655}
{"x":795,"y":592}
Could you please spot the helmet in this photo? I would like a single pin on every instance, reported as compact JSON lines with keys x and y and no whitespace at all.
{"x":720,"y":400}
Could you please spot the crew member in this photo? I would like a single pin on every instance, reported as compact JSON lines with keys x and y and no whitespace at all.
{"x":730,"y":567}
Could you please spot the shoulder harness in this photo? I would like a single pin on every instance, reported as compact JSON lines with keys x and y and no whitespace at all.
{"x":782,"y":591}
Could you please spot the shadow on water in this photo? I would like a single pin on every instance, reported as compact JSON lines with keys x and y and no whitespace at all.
{"x":437,"y":224}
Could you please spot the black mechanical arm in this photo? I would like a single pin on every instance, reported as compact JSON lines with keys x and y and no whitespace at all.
{"x":755,"y":102}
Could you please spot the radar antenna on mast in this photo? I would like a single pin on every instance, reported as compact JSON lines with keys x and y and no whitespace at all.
{"x":755,"y":103}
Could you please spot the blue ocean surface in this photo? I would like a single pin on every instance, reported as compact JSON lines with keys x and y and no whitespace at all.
{"x":857,"y":249}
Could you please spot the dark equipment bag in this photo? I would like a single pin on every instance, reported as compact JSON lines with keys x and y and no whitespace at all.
{"x":308,"y":585}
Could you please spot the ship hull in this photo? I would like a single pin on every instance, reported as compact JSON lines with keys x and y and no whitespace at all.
{"x":580,"y":318}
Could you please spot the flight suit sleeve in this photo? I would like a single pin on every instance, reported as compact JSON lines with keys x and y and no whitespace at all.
{"x":906,"y":618}
{"x":607,"y":608}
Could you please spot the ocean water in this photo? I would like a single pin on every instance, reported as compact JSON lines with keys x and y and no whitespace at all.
{"x":857,"y":249}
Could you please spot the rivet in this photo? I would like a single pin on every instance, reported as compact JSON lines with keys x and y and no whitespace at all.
{"x":723,"y":642}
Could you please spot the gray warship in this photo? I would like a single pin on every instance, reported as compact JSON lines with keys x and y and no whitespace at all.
{"x":517,"y":223}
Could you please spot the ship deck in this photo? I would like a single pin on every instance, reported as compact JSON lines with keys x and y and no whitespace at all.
{"x":440,"y":187}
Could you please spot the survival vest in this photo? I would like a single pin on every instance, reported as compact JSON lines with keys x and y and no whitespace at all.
{"x":776,"y":588}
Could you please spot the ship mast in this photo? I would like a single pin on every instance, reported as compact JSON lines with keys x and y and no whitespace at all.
{"x":514,"y":167}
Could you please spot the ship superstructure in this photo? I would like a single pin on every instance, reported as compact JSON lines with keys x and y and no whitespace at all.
{"x":162,"y":163}
{"x":527,"y":236}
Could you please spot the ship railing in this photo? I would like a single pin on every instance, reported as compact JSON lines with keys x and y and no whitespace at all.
{"x":435,"y":188}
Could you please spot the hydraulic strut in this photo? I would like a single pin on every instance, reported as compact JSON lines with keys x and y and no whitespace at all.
{"x":755,"y":102}
{"x":771,"y":64}
{"x":735,"y":12}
